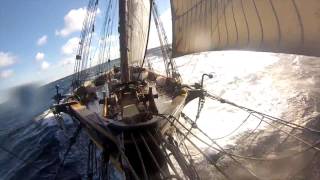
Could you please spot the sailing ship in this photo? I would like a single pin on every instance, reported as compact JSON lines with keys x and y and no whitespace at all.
{"x":136,"y":128}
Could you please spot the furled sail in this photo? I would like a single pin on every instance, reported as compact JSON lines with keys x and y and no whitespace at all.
{"x":285,"y":26}
{"x":135,"y":32}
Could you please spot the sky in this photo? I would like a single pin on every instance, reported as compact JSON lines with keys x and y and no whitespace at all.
{"x":38,"y":38}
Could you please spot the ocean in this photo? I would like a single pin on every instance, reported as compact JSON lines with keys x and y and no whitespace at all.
{"x":33,"y":144}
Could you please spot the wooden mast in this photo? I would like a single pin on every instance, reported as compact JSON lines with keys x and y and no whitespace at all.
{"x":124,"y":67}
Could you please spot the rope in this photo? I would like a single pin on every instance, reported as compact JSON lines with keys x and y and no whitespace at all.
{"x":278,"y":120}
{"x":72,"y":141}
{"x":220,"y":149}
{"x":241,"y":156}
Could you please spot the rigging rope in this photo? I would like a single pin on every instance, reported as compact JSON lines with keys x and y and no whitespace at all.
{"x":105,"y":39}
{"x":278,"y":120}
{"x":84,"y":44}
{"x":72,"y":141}
{"x":220,"y":149}
{"x":317,"y":143}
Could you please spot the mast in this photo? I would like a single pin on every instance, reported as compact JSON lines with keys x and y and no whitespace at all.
{"x":124,"y":68}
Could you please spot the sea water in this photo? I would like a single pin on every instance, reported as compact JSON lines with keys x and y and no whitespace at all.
{"x":262,"y":81}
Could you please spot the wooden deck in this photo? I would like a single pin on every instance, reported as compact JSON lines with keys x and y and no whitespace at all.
{"x":97,"y":127}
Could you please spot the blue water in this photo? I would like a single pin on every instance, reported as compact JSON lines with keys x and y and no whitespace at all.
{"x":27,"y":139}
{"x":275,"y":85}
{"x":36,"y":145}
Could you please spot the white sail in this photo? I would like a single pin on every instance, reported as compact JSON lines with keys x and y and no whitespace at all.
{"x":286,"y":26}
{"x":134,"y":21}
{"x":137,"y":30}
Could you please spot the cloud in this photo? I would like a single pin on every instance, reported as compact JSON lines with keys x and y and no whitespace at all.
{"x":42,"y":40}
{"x":6,"y":59}
{"x":45,"y":65}
{"x":72,"y":22}
{"x":6,"y":73}
{"x":66,"y":61}
{"x":39,"y":56}
{"x":70,"y":47}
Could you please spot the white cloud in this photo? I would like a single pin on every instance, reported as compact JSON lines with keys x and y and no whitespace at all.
{"x":60,"y":69}
{"x":39,"y":56}
{"x":45,"y":65}
{"x":70,"y":47}
{"x":6,"y":59}
{"x":72,"y":22}
{"x":66,"y":61}
{"x":6,"y":73}
{"x":42,"y":40}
